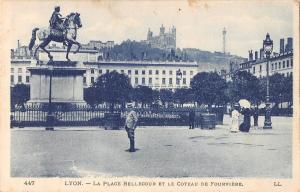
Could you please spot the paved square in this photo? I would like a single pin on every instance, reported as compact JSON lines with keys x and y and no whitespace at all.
{"x":163,"y":152}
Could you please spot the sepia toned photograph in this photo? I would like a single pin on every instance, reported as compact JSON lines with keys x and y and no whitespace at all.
{"x":152,"y":90}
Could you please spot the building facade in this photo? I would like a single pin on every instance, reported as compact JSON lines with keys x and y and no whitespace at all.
{"x":165,"y":40}
{"x":155,"y":74}
{"x":256,"y":64}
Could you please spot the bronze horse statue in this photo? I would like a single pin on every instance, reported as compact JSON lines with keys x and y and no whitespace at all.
{"x":46,"y":35}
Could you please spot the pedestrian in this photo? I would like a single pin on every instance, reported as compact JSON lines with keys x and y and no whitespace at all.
{"x":192,"y":119}
{"x":235,"y":119}
{"x":130,"y":126}
{"x":255,"y":116}
{"x":245,"y":126}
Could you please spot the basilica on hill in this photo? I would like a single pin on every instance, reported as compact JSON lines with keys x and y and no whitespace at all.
{"x":165,"y":40}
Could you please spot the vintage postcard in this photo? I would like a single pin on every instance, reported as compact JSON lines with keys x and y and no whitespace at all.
{"x":163,"y":95}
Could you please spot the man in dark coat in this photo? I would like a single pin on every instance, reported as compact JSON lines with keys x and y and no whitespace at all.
{"x":255,"y":116}
{"x":192,"y":119}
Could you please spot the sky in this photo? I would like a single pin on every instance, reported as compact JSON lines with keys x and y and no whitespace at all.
{"x":199,"y":23}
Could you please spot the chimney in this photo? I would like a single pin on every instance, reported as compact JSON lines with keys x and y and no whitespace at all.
{"x":250,"y":55}
{"x":261,"y":53}
{"x":281,"y":46}
{"x":289,"y":45}
{"x":256,"y":55}
{"x":19,"y":44}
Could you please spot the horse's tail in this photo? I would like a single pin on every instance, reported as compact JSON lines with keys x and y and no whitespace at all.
{"x":33,"y":38}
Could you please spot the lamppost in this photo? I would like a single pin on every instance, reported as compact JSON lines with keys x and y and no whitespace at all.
{"x":50,"y":116}
{"x":268,"y":48}
{"x":178,"y":77}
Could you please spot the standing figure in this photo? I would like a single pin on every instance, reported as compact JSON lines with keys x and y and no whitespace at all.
{"x":245,"y":126}
{"x":130,"y":126}
{"x":192,"y":119}
{"x":235,"y":119}
{"x":255,"y":116}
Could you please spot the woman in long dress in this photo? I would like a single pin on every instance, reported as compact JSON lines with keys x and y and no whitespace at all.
{"x":235,"y":120}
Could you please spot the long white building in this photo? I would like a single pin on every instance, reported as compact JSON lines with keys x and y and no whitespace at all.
{"x":155,"y":74}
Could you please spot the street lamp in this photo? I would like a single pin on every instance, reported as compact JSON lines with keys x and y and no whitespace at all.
{"x":178,"y":77}
{"x":50,"y":116}
{"x":268,"y":48}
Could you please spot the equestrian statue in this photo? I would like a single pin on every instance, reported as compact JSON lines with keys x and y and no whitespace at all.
{"x":63,"y":30}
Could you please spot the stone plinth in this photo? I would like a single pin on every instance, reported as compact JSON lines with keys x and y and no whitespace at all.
{"x":67,"y":83}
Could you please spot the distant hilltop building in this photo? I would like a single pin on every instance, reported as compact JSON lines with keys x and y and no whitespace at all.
{"x":165,"y":40}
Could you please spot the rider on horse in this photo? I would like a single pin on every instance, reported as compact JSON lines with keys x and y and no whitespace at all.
{"x":56,"y":22}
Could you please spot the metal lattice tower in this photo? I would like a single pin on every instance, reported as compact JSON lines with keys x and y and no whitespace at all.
{"x":224,"y":40}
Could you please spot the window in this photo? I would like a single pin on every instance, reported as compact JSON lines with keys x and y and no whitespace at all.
{"x":163,"y":81}
{"x":84,"y":80}
{"x":100,"y":71}
{"x":156,"y":72}
{"x":272,"y":66}
{"x":184,"y":81}
{"x":191,"y":72}
{"x":150,"y":80}
{"x":163,"y":72}
{"x":136,"y":81}
{"x":92,"y":71}
{"x":143,"y":81}
{"x":254,"y":70}
{"x":27,"y":79}
{"x":291,"y":62}
{"x":287,"y":65}
{"x":136,"y":72}
{"x":143,"y":72}
{"x":150,"y":72}
{"x":275,"y":66}
{"x":12,"y":79}
{"x":107,"y":71}
{"x":279,"y":65}
{"x":19,"y":79}
{"x":92,"y":79}
{"x":122,"y":71}
{"x":170,"y":72}
{"x":12,"y":70}
{"x":283,"y":65}
{"x":129,"y":72}
{"x":19,"y":70}
{"x":170,"y":81}
{"x":184,"y":72}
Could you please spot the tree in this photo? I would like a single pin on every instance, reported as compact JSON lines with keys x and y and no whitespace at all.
{"x":165,"y":95}
{"x":142,"y":94}
{"x":245,"y":86}
{"x":20,"y":94}
{"x":114,"y":88}
{"x":288,"y":90}
{"x":278,"y":88}
{"x":183,"y":95}
{"x":208,"y":88}
{"x":91,"y":96}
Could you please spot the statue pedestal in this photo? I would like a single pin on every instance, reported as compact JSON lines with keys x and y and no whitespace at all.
{"x":66,"y":83}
